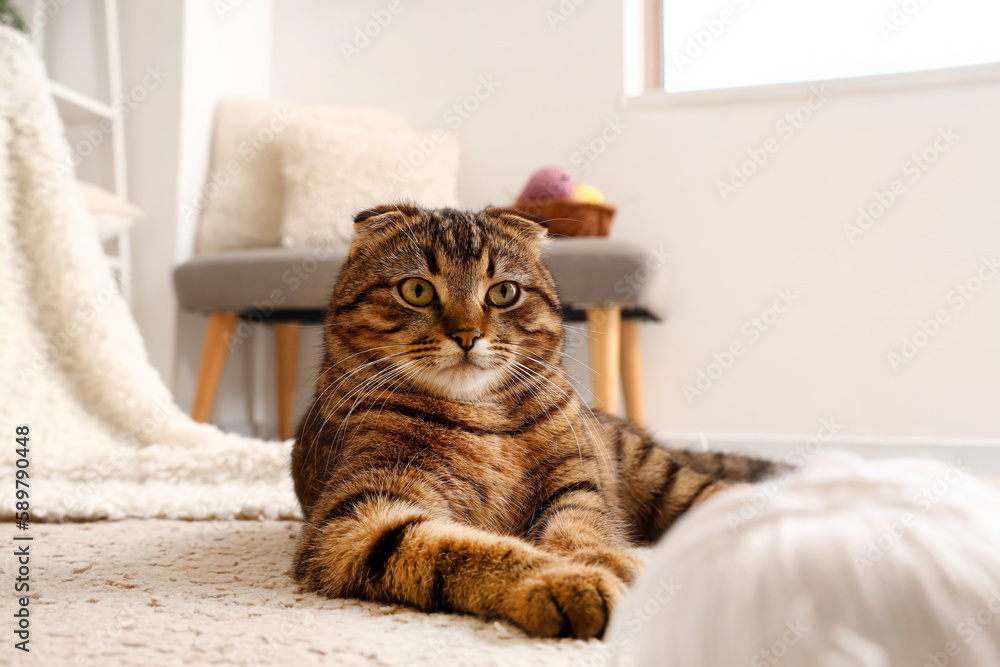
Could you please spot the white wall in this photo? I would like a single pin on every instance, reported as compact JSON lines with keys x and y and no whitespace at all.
{"x":226,"y":51}
{"x":825,"y":357}
{"x":151,"y":35}
{"x":204,"y":51}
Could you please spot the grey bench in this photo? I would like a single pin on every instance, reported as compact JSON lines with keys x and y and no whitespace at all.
{"x":613,"y":285}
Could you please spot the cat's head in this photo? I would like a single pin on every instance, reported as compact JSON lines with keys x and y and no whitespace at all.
{"x":456,"y":304}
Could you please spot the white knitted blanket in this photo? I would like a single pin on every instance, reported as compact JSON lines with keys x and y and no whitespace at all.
{"x":106,"y":439}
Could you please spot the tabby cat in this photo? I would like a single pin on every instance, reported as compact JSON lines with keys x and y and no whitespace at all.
{"x":446,"y":462}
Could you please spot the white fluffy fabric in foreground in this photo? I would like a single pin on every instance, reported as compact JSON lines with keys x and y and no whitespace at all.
{"x":107,"y":440}
{"x":843,"y":563}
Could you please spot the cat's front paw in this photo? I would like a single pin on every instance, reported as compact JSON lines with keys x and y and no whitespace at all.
{"x":621,"y":564}
{"x":565,"y":600}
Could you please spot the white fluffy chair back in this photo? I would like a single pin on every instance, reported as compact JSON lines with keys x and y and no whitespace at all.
{"x":844,"y":563}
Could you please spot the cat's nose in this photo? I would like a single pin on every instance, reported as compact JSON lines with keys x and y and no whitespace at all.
{"x":466,"y":337}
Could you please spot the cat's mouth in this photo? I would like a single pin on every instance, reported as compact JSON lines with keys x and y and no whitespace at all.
{"x":466,"y":378}
{"x":467,"y":369}
{"x":469,"y":362}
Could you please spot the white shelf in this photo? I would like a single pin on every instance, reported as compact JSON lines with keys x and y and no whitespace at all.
{"x":77,"y":108}
{"x":80,"y":101}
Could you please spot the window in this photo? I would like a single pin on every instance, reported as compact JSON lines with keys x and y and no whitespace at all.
{"x":713,"y":44}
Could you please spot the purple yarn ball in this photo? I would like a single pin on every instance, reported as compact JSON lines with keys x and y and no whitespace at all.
{"x":549,"y":182}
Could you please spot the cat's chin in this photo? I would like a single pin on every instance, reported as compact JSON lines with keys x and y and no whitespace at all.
{"x":464,"y":381}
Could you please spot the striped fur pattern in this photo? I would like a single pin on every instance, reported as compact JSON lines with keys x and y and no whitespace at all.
{"x":458,"y":471}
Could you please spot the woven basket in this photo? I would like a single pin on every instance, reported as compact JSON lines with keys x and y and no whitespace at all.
{"x":565,"y":217}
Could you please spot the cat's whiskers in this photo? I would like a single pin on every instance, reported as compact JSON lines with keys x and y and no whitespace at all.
{"x":332,"y":391}
{"x":507,"y":383}
{"x":401,"y":221}
{"x":395,"y":379}
{"x":555,"y":402}
{"x":362,"y":392}
{"x":532,"y":387}
{"x":563,"y":353}
{"x":508,"y":348}
{"x":332,"y":387}
{"x":357,"y":391}
{"x":582,"y":331}
{"x":408,"y":376}
{"x":561,"y":370}
{"x":589,"y":422}
{"x":337,"y":440}
{"x":347,"y":374}
{"x":349,"y":393}
{"x":333,"y":366}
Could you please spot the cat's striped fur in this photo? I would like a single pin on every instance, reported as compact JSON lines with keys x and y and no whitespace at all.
{"x":474,"y":480}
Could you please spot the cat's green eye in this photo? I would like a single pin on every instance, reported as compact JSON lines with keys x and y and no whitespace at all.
{"x":416,"y":291}
{"x":503,"y":294}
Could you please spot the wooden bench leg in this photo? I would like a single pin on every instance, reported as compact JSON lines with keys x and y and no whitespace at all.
{"x":605,"y":355}
{"x":214,"y":350}
{"x":286,"y":338}
{"x":632,"y":372}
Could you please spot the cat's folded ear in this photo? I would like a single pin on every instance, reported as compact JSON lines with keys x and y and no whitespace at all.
{"x":385,"y":213}
{"x":372,"y":222}
{"x":523,"y":221}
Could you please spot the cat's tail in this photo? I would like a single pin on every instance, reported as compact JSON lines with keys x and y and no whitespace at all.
{"x":657,"y":483}
{"x":729,"y":466}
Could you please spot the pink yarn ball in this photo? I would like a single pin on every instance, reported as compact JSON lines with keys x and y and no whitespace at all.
{"x":549,"y":182}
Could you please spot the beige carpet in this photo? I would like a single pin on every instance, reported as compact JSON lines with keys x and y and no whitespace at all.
{"x":159,"y":592}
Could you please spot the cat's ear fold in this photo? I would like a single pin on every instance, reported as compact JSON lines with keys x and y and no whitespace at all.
{"x":376,"y":212}
{"x":524,"y":222}
{"x":371,"y":222}
{"x":385,"y":213}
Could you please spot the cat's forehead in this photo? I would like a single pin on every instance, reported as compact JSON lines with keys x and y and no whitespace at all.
{"x":458,"y":234}
{"x":394,"y":242}
{"x":466,"y":241}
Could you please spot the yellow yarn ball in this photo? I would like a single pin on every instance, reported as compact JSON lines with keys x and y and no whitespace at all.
{"x":588,"y":194}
